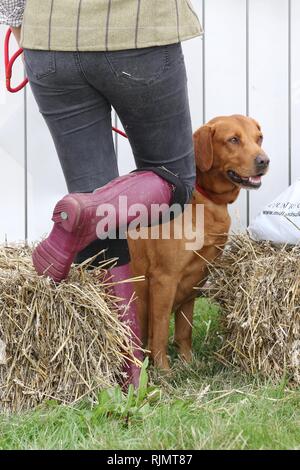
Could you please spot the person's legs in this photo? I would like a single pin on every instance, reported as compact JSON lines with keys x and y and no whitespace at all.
{"x":160,"y":98}
{"x":148,"y":89}
{"x":79,"y":119}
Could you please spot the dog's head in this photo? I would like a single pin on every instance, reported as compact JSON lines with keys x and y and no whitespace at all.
{"x":231,"y":147}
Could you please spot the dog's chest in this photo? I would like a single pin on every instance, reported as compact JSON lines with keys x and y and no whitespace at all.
{"x":215,"y":234}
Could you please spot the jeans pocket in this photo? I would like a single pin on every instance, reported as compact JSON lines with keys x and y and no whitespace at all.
{"x":39,"y":63}
{"x":139,"y":66}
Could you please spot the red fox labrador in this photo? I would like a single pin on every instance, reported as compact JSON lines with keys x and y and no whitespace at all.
{"x":229,"y":156}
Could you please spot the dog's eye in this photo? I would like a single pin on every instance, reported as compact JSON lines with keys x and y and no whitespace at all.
{"x":260,"y":139}
{"x":234,"y":140}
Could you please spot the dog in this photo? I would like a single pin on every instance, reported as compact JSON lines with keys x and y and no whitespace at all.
{"x":229,"y":157}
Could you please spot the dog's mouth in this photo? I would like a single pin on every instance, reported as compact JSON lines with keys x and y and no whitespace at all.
{"x":249,"y":182}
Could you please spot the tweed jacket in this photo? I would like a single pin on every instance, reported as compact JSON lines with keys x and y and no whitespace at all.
{"x":100,"y":25}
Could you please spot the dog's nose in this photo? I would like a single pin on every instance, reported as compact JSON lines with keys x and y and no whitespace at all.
{"x":262,"y":161}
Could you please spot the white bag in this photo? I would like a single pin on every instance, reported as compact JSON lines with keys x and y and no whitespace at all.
{"x":279,"y":221}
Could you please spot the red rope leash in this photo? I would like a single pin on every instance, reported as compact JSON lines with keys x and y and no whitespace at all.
{"x":9,"y":63}
{"x":120,"y":132}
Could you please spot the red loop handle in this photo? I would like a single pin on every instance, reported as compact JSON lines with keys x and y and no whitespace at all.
{"x":9,"y":62}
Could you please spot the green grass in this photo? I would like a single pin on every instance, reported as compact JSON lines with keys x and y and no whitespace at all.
{"x":202,"y":406}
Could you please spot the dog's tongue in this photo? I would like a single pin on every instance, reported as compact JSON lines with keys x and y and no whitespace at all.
{"x":255,"y":179}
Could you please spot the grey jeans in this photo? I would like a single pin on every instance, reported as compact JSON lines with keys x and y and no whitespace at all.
{"x":148,"y":89}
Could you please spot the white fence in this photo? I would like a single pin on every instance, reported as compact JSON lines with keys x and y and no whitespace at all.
{"x":248,"y":62}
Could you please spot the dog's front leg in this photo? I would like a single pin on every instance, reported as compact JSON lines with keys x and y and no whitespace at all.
{"x":161,"y":296}
{"x":183,"y":329}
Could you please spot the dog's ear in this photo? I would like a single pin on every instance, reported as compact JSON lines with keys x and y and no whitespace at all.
{"x":203,"y":148}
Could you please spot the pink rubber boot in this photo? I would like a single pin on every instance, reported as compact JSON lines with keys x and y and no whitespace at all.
{"x":128,"y":315}
{"x":75,"y":219}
